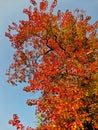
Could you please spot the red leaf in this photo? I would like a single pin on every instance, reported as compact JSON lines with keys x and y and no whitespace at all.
{"x":33,"y":2}
{"x":43,"y":5}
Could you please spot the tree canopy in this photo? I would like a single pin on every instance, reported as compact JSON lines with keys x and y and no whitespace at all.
{"x":57,"y":54}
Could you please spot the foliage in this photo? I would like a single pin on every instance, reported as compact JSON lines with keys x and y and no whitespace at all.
{"x":16,"y":122}
{"x":58,"y":55}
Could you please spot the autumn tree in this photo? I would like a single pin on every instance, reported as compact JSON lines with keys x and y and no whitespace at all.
{"x":57,"y":54}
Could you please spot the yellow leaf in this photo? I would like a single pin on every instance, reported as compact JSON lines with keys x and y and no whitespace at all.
{"x":90,"y":51}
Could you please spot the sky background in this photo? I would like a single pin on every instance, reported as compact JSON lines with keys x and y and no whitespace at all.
{"x":13,"y":99}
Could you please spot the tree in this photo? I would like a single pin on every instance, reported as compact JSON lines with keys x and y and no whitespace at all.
{"x":58,"y":55}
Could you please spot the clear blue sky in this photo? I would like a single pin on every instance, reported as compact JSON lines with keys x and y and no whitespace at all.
{"x":12,"y":99}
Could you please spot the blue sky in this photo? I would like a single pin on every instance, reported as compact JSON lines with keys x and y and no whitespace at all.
{"x":12,"y":99}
